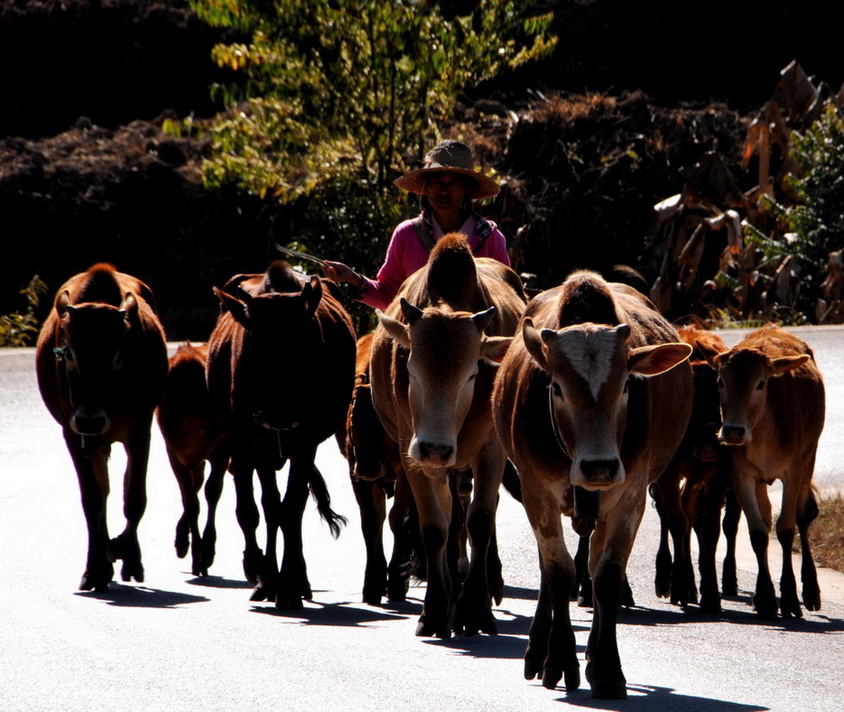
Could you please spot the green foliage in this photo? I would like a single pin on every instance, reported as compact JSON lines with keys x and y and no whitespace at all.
{"x":330,"y":88}
{"x":332,"y":97}
{"x":21,"y":329}
{"x":813,"y":221}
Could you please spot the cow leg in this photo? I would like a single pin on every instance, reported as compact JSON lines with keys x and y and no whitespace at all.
{"x":732,"y":516}
{"x":663,"y":492}
{"x":612,"y":542}
{"x":373,"y":512}
{"x":92,"y":474}
{"x":248,"y":518}
{"x":189,"y":480}
{"x":542,"y":506}
{"x":806,"y":514}
{"x":433,"y":503}
{"x":125,"y":545}
{"x":754,"y":503}
{"x":708,"y":528}
{"x":293,"y":584}
{"x":474,"y":607}
{"x":407,"y":546}
{"x":786,"y":525}
{"x":582,"y":589}
{"x":684,"y":571}
{"x":267,"y":586}
{"x":213,"y":490}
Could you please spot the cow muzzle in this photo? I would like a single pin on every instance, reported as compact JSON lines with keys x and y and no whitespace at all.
{"x":432,"y":454}
{"x":597,"y":474}
{"x":88,"y":420}
{"x":731,"y":434}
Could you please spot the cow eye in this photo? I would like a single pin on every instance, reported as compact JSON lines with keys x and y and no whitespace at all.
{"x":720,"y":383}
{"x":556,"y":390}
{"x":626,"y":386}
{"x":760,"y":386}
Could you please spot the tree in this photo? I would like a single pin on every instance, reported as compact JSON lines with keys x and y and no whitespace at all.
{"x":333,"y":97}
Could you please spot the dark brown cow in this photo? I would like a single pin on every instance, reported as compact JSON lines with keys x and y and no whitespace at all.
{"x":576,"y":418}
{"x":773,"y":406}
{"x":677,"y":491}
{"x":193,"y":434}
{"x":101,"y":361}
{"x":432,"y":371}
{"x":376,"y":473}
{"x":281,"y":367}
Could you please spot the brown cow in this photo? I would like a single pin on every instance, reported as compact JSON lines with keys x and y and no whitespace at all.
{"x":677,"y":491}
{"x":576,"y":418}
{"x":432,"y":371}
{"x":376,"y":473}
{"x":773,"y":406}
{"x":101,"y":362}
{"x":281,"y":367}
{"x":192,"y":434}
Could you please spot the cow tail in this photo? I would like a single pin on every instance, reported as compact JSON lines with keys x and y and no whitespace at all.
{"x":319,"y":491}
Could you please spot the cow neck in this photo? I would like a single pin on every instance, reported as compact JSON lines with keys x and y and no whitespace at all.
{"x":554,"y":427}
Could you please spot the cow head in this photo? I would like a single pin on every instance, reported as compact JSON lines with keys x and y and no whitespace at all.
{"x":92,"y":340}
{"x":446,"y":353}
{"x":272,"y":371}
{"x":743,"y":376}
{"x":589,"y":367}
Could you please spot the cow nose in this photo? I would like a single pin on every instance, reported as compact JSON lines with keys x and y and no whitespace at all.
{"x":435,"y":453}
{"x":89,"y":421}
{"x":599,"y":472}
{"x":733,"y":434}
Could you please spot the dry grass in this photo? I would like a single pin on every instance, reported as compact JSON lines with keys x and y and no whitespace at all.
{"x":827,"y":532}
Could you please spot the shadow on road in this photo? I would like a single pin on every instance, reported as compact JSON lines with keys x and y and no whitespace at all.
{"x":343,"y":614}
{"x":643,"y":698}
{"x":141,"y":597}
{"x":218,"y":582}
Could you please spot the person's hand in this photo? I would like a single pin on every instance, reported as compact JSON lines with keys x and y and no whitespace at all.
{"x":338,"y":272}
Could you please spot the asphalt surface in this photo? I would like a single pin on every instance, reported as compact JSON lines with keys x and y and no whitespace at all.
{"x":177,"y":642}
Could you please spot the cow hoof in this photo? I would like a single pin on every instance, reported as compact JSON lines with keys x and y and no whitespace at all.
{"x":98,"y":584}
{"x":551,"y":676}
{"x":182,"y":542}
{"x":132,"y":570}
{"x":609,"y":689}
{"x":534,"y":660}
{"x":289,"y":602}
{"x":261,"y":592}
{"x":812,"y":599}
{"x":424,"y":629}
{"x":571,"y":678}
{"x":710,"y":603}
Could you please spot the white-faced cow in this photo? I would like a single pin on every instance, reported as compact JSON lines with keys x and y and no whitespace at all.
{"x":281,"y":367}
{"x":593,"y":397}
{"x":101,"y":362}
{"x":433,"y":363}
{"x":772,"y":412}
{"x":193,"y":434}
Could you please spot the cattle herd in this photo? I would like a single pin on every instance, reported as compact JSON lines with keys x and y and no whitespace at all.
{"x":580,"y":400}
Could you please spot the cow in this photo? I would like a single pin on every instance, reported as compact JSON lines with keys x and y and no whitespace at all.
{"x":280,"y":373}
{"x":434,"y":357}
{"x":772,"y":412}
{"x":193,"y":434}
{"x":676,"y":493}
{"x":101,"y":362}
{"x":376,"y":473}
{"x":591,"y":402}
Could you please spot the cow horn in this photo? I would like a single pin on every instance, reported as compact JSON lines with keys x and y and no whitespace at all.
{"x":482,"y":319}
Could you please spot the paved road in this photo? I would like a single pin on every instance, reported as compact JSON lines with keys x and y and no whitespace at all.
{"x":181,"y":643}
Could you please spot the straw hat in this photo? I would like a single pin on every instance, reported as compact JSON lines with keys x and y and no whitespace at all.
{"x":449,"y":157}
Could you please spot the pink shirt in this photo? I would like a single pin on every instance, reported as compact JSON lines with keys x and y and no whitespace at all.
{"x":406,"y":254}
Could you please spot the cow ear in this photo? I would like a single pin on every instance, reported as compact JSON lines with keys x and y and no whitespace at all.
{"x":494,"y":348}
{"x":656,"y":359}
{"x":311,"y":295}
{"x":411,"y":312}
{"x":784,"y":364}
{"x":483,"y":319}
{"x":534,"y":343}
{"x":62,"y":302}
{"x":398,"y":331}
{"x":238,"y":309}
{"x":709,"y":353}
{"x":129,"y":307}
